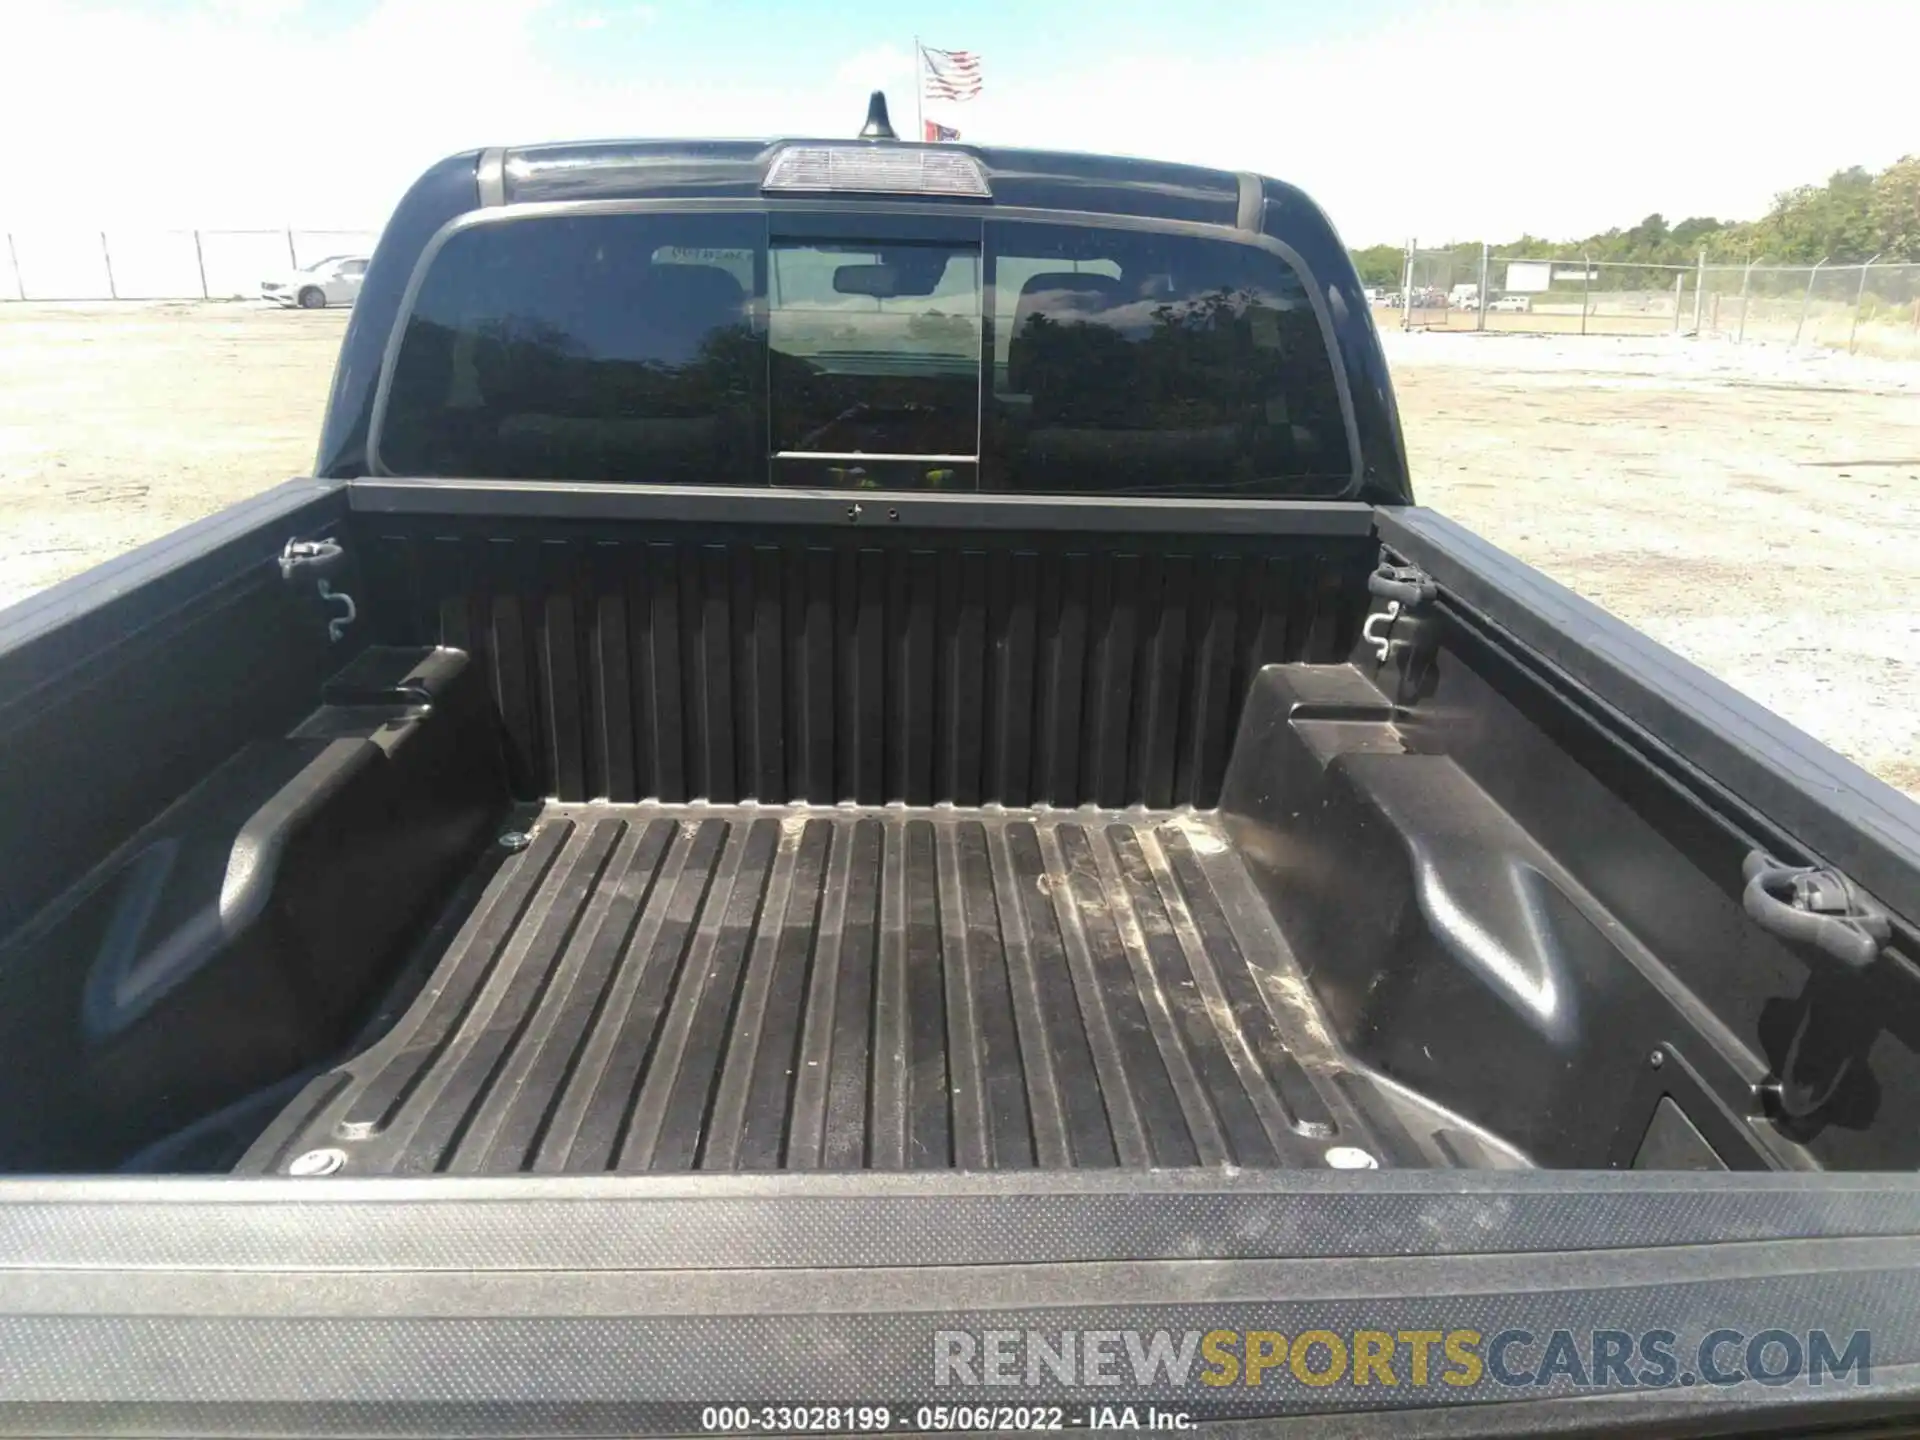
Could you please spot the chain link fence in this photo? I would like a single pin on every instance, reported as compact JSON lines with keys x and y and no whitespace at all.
{"x":162,"y":264}
{"x":1870,"y":308}
{"x":1427,"y":298}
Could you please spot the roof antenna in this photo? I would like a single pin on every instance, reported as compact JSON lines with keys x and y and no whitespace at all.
{"x":878,"y":126}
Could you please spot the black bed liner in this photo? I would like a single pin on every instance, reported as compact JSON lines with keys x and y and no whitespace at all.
{"x":666,"y":987}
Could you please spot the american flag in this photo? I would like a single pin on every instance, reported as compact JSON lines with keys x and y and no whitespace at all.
{"x":949,"y":74}
{"x":937,"y":131}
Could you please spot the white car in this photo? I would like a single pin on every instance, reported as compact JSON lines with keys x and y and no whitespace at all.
{"x":1517,"y":304}
{"x":332,"y":281}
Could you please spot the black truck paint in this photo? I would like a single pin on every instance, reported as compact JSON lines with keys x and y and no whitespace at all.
{"x":635,"y":828}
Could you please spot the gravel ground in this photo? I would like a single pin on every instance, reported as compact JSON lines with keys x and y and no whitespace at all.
{"x":121,"y":422}
{"x":1755,"y":509}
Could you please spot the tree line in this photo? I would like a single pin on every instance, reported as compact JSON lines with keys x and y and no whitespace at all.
{"x":1854,"y":216}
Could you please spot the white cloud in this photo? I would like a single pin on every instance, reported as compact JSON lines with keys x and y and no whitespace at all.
{"x":257,"y":11}
{"x":1487,"y":119}
{"x":629,"y":16}
{"x":196,"y":119}
{"x":1484,"y":118}
{"x":877,"y":67}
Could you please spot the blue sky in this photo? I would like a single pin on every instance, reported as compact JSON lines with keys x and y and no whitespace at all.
{"x":1443,"y":119}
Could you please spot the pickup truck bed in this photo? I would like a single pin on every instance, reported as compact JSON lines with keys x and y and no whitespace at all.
{"x":722,"y":987}
{"x":1004,"y":834}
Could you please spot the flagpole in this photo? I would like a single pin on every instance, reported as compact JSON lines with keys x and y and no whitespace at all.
{"x":919,"y":120}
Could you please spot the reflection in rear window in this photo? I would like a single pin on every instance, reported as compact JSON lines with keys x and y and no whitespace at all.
{"x":594,"y":347}
{"x":1133,"y":362}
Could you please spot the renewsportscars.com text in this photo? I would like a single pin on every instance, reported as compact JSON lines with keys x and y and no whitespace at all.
{"x":1456,"y":1360}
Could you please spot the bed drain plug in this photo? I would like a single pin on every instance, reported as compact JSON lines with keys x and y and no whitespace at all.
{"x":1350,"y":1157}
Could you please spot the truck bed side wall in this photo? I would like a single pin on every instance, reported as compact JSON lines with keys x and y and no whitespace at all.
{"x":208,"y":871}
{"x":122,"y":688}
{"x":1510,"y":862}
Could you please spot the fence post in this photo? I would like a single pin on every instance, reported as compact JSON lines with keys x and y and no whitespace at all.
{"x":113,"y":291}
{"x":293,"y":260}
{"x":1586,"y":290}
{"x":13,"y":258}
{"x":1746,"y":282}
{"x":1806,"y":301}
{"x":1859,"y":299}
{"x":1699,"y":290}
{"x":200,"y":261}
{"x":1406,"y":290}
{"x":1678,"y":281}
{"x":1481,"y":323}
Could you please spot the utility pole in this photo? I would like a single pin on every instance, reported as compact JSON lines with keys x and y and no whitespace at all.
{"x":1746,"y":289}
{"x":1481,"y":323}
{"x":1859,"y":299}
{"x":919,"y":67}
{"x":1406,"y":290}
{"x":1806,"y":301}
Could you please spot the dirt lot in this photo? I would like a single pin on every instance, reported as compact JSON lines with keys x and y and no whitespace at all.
{"x":119,"y":422}
{"x":1756,"y":510}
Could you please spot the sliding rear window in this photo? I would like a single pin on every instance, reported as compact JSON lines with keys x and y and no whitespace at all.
{"x":875,"y":363}
{"x":591,"y":347}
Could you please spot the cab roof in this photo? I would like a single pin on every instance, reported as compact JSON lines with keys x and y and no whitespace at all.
{"x":1043,"y":179}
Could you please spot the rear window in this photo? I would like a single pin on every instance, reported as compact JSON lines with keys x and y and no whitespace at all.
{"x":688,"y":349}
{"x":1131,"y":362}
{"x":592,"y":347}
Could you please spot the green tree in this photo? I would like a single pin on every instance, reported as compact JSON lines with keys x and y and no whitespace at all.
{"x":1380,"y":266}
{"x":1822,"y":222}
{"x":1694,"y":229}
{"x":1651,"y":233}
{"x":1896,"y":209}
{"x":1852,"y":217}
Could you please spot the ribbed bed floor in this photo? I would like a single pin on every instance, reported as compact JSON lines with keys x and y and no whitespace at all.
{"x":672,"y":987}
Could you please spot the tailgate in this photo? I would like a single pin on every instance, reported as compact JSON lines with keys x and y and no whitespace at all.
{"x":576,"y":1306}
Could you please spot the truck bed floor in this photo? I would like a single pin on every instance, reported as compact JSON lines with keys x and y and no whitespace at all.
{"x":672,"y":987}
